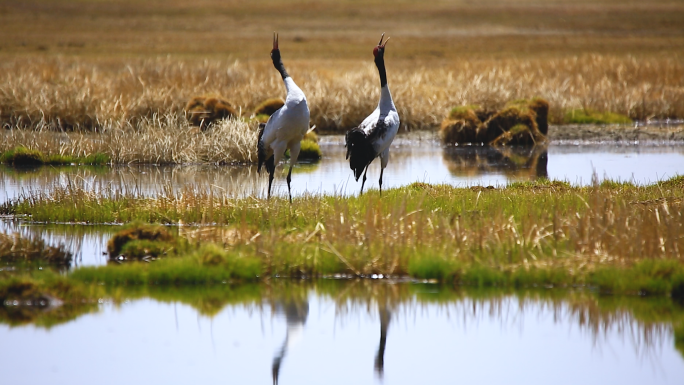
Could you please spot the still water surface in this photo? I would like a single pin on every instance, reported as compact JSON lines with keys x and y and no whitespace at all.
{"x":411,"y":161}
{"x":382,"y":333}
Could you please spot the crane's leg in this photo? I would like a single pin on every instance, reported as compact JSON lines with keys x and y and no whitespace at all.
{"x":381,"y":171}
{"x":294,"y":154}
{"x":384,"y":159}
{"x":363,"y":181}
{"x":289,"y":178}
{"x":270,"y":181}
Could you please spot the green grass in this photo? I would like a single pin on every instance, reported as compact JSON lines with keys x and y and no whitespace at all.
{"x":617,"y":237}
{"x":582,"y":116}
{"x":310,"y":150}
{"x":21,"y":156}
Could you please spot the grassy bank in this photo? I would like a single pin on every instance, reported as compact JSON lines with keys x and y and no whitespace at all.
{"x":617,"y":237}
{"x":167,"y":139}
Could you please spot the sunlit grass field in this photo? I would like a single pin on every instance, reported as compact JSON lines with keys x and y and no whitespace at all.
{"x":82,"y":65}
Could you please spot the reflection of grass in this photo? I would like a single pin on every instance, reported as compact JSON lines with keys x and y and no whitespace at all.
{"x":582,"y":116}
{"x":32,"y":251}
{"x":45,"y":299}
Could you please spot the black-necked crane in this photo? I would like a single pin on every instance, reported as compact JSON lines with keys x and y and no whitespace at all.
{"x":285,"y":128}
{"x":373,"y":137}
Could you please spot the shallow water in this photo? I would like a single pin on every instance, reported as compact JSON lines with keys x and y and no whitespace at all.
{"x":359,"y":332}
{"x":411,"y":160}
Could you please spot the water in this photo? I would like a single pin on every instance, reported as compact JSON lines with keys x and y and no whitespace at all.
{"x":357,"y":332}
{"x":411,"y":160}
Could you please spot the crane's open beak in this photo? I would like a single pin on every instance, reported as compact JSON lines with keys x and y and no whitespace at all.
{"x":275,"y":40}
{"x":380,"y":43}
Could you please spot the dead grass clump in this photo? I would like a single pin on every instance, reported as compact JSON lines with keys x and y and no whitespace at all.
{"x":516,"y":124}
{"x":14,"y":249}
{"x":520,"y":134}
{"x":269,"y":106}
{"x":140,"y":241}
{"x":201,"y":111}
{"x":541,"y":111}
{"x":463,"y":125}
{"x":506,"y":119}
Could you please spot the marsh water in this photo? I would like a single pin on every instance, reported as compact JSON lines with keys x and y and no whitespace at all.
{"x":343,"y":331}
{"x":349,"y":332}
{"x":412,"y":159}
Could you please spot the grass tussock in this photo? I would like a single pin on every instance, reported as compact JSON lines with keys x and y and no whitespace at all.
{"x":159,"y":140}
{"x":65,"y":94}
{"x":516,"y":124}
{"x":310,"y":150}
{"x":202,"y":111}
{"x":140,"y":241}
{"x":269,"y":106}
{"x":543,"y":232}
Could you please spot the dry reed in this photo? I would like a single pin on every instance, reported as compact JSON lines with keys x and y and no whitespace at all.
{"x":158,"y":139}
{"x":65,"y":94}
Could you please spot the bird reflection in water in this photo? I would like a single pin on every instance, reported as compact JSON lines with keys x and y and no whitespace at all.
{"x":385,"y":317}
{"x":516,"y":162}
{"x":296,"y":310}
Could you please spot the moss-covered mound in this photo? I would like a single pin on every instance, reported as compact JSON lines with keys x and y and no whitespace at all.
{"x":310,"y":150}
{"x":139,"y":241}
{"x":201,"y":111}
{"x":517,"y":124}
{"x":22,"y":156}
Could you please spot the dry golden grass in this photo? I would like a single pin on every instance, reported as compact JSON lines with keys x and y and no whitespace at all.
{"x":78,"y":64}
{"x":66,"y":93}
{"x":159,"y":139}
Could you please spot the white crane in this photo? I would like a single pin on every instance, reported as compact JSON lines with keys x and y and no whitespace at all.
{"x":373,"y":137}
{"x":285,"y":128}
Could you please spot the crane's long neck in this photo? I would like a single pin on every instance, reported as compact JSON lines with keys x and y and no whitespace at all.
{"x":278,"y":64}
{"x":380,"y":63}
{"x":386,"y":102}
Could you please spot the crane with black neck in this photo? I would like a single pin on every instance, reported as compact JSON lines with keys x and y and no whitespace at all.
{"x":285,"y":128}
{"x":373,"y":137}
